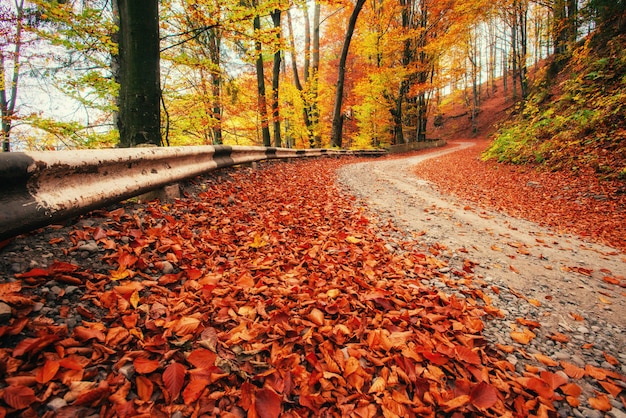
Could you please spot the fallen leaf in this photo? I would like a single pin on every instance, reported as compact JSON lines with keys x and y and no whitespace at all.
{"x":145,"y":366}
{"x":483,"y":396}
{"x":545,"y":359}
{"x":174,"y":378}
{"x":18,"y":397}
{"x":523,"y":337}
{"x":572,"y":370}
{"x":267,"y":404}
{"x":600,"y":402}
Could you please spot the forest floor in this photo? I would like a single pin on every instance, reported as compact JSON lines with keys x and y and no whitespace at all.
{"x":328,"y":287}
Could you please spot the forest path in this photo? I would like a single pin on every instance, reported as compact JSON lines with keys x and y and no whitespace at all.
{"x":561,"y":273}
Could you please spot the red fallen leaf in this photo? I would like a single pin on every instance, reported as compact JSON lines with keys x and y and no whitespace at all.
{"x":467,"y":355}
{"x":36,"y":272}
{"x":145,"y":388}
{"x":540,"y":387}
{"x":194,"y":274}
{"x":33,"y":345}
{"x":62,"y":267}
{"x":18,"y":397}
{"x":126,"y":260}
{"x":601,"y":402}
{"x":98,"y":234}
{"x":47,"y":371}
{"x":144,"y":365}
{"x":202,"y":358}
{"x":85,"y":334}
{"x":71,"y":364}
{"x":456,"y":403}
{"x":174,"y":378}
{"x":194,"y":389}
{"x":483,"y":396}
{"x":267,"y":403}
{"x":555,"y":380}
{"x":93,"y":396}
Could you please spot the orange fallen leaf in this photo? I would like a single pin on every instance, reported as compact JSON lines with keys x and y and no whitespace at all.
{"x":576,"y":317}
{"x":557,"y":336}
{"x":600,"y":402}
{"x":456,"y":403}
{"x":545,"y":359}
{"x":610,"y":359}
{"x":571,"y":389}
{"x":144,"y":365}
{"x":611,"y":389}
{"x":572,"y":370}
{"x":18,"y":397}
{"x":523,"y":337}
{"x":595,"y":372}
{"x":505,"y":348}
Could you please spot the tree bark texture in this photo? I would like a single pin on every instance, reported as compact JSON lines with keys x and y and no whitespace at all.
{"x":140,"y":88}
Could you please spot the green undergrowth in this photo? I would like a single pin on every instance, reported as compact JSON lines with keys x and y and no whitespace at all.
{"x":574,"y":118}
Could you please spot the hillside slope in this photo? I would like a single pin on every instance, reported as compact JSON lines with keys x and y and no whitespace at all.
{"x":575,"y":118}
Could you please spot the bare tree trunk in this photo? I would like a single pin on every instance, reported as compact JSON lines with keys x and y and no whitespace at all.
{"x":140,"y":88}
{"x":260,"y":78}
{"x":335,"y":137}
{"x":276,"y":80}
{"x":315,"y":66}
{"x":7,"y":104}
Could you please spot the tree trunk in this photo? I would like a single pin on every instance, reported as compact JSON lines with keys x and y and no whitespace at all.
{"x":335,"y":137}
{"x":260,"y":78}
{"x":7,"y":104}
{"x":315,"y":66}
{"x":140,"y":88}
{"x":276,"y":80}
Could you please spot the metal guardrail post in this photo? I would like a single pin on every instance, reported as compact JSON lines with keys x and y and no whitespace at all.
{"x":40,"y":188}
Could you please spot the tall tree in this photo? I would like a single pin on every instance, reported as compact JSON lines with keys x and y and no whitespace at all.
{"x":13,"y":27}
{"x":276,"y":14}
{"x":337,"y":126}
{"x":140,"y":88}
{"x":260,"y":76}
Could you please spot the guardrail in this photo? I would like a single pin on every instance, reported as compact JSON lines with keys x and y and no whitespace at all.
{"x":40,"y":188}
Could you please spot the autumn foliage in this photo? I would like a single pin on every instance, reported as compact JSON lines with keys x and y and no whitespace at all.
{"x":268,"y":294}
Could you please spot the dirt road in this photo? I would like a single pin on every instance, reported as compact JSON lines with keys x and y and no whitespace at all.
{"x":562,"y":274}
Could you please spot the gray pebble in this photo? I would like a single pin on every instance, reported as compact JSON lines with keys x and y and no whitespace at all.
{"x":56,"y":404}
{"x":5,"y":312}
{"x":90,"y":246}
{"x":167,"y":267}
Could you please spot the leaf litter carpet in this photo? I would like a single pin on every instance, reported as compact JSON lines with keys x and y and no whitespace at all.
{"x":262,"y":293}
